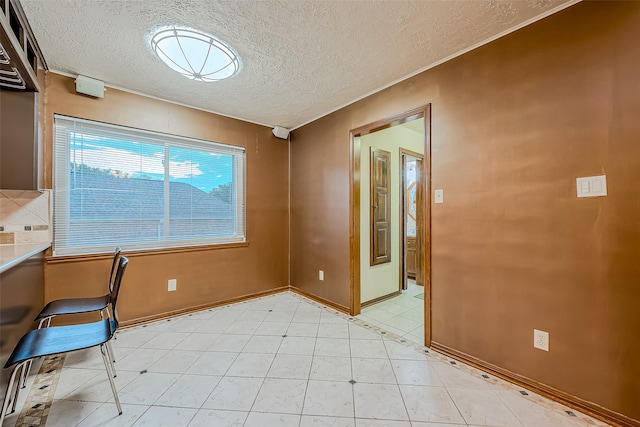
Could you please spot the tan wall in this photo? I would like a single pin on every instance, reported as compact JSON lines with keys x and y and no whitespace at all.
{"x":383,"y":279}
{"x":206,"y":276}
{"x":513,"y":124}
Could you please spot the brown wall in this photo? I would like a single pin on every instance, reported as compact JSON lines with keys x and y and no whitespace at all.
{"x":204,"y":276}
{"x":513,"y":124}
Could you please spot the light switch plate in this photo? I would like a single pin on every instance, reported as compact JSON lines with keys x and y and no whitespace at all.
{"x":592,"y":186}
{"x":438,"y":195}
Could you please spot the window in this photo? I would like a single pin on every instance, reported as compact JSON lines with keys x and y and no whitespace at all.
{"x":115,"y":185}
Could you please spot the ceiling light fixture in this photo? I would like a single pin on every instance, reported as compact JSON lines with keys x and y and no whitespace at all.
{"x":194,"y":54}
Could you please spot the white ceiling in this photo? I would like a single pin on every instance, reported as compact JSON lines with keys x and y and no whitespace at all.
{"x":301,"y":59}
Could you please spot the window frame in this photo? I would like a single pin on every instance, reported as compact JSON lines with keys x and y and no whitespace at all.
{"x":166,"y":141}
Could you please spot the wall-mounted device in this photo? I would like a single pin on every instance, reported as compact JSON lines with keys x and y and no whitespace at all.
{"x":89,"y":86}
{"x":280,"y":132}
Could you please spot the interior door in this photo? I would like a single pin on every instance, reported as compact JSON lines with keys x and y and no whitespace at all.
{"x":420,"y":215}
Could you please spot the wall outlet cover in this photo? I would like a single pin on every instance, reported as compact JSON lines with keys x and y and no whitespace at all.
{"x":541,"y":340}
{"x":172,"y":284}
{"x":438,"y":195}
{"x":321,"y":275}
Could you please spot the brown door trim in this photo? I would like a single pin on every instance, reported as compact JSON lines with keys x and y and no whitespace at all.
{"x":423,"y":112}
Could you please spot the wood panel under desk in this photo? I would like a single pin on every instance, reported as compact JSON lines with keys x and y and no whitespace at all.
{"x":21,"y":299}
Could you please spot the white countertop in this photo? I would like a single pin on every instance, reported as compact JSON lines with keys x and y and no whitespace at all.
{"x":12,"y":255}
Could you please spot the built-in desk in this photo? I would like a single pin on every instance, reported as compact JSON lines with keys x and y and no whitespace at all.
{"x":12,"y":255}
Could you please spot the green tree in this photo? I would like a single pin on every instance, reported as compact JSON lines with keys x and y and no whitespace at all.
{"x":223,"y":192}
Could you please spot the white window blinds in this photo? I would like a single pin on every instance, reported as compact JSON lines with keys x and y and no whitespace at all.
{"x":119,"y":186}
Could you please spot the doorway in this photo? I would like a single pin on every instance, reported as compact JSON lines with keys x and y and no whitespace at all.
{"x":360,"y":180}
{"x":412,"y":218}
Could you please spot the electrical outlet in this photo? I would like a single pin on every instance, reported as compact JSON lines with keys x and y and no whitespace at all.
{"x":321,"y":275}
{"x":541,"y":340}
{"x":173,"y":283}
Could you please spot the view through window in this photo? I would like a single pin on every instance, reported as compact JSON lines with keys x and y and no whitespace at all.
{"x":137,"y":189}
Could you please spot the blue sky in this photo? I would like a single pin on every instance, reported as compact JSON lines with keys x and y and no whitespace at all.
{"x":202,"y":169}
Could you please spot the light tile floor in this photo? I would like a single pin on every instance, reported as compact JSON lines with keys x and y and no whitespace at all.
{"x":403,"y":314}
{"x":283,"y":360}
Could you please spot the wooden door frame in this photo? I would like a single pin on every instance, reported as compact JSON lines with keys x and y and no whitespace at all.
{"x":403,"y":213}
{"x":423,"y":112}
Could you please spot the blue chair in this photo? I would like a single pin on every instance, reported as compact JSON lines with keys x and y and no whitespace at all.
{"x":64,"y":339}
{"x":76,"y":306}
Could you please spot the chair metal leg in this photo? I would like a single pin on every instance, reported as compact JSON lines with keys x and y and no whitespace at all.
{"x":113,"y":385}
{"x":23,"y":369}
{"x":112,"y":359}
{"x":24,"y":373}
{"x":113,"y":355}
{"x":7,"y":397}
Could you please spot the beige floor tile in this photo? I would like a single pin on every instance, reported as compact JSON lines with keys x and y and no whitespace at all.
{"x":210,"y":418}
{"x":331,"y":368}
{"x":260,"y":419}
{"x":158,"y":416}
{"x":234,"y":394}
{"x":329,"y":398}
{"x":379,"y":401}
{"x":283,"y":396}
{"x":316,"y":421}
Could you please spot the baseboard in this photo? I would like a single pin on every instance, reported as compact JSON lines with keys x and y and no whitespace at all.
{"x":320,"y":300}
{"x":166,"y":314}
{"x":380,"y":299}
{"x":574,"y":402}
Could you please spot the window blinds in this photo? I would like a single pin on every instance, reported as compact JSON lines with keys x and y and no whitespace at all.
{"x":119,"y":186}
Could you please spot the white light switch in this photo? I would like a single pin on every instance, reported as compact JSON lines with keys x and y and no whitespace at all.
{"x":592,"y":186}
{"x":439,"y":195}
{"x":584,"y":187}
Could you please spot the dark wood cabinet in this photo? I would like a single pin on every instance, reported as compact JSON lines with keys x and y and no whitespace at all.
{"x":19,"y":140}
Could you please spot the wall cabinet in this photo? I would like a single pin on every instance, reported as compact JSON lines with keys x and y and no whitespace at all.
{"x":19,"y":141}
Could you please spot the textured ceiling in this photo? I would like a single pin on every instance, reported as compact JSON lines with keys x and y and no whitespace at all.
{"x":301,"y":59}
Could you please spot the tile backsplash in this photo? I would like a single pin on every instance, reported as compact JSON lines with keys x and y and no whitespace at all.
{"x":25,"y":216}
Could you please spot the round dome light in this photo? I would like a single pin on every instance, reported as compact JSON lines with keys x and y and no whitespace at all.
{"x":194,"y":54}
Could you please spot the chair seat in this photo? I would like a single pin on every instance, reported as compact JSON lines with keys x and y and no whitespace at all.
{"x":73,"y":306}
{"x":61,"y":339}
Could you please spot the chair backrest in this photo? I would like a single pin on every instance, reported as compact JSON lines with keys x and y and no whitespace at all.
{"x":122,"y":266}
{"x":114,"y":265}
